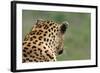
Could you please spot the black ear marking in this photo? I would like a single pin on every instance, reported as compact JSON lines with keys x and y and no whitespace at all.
{"x":64,"y":26}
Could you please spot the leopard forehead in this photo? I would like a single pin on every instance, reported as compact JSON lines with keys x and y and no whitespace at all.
{"x":44,"y":25}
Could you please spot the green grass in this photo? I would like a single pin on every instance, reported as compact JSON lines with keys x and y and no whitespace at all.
{"x":77,"y":38}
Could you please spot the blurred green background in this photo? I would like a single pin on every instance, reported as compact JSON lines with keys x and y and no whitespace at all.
{"x":77,"y":38}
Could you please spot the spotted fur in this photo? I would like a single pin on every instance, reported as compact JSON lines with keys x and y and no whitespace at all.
{"x":44,"y":42}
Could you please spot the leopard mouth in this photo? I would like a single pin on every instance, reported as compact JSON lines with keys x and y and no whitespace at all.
{"x":60,"y":52}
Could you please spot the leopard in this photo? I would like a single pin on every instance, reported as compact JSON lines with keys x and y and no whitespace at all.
{"x":44,"y":42}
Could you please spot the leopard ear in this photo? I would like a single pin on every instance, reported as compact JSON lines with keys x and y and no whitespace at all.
{"x":39,"y":21}
{"x":64,"y":26}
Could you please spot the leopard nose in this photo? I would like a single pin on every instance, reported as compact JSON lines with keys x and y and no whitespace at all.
{"x":60,"y":52}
